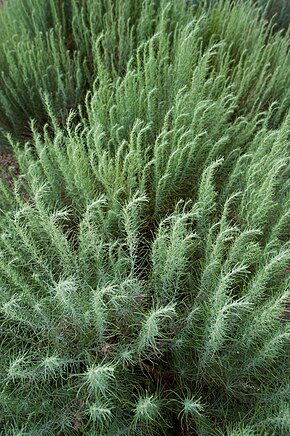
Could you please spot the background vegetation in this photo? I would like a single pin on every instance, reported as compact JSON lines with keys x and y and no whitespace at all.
{"x":48,"y":48}
{"x":144,"y":245}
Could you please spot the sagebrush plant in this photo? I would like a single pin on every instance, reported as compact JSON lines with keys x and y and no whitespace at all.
{"x":50,"y":47}
{"x":144,"y":247}
{"x":275,"y":11}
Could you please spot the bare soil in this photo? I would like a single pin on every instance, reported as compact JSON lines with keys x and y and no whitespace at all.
{"x":8,"y":166}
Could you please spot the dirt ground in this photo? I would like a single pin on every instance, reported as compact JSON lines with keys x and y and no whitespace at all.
{"x":8,"y":165}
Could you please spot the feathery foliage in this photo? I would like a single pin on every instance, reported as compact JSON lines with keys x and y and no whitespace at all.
{"x":51,"y":48}
{"x":144,"y":247}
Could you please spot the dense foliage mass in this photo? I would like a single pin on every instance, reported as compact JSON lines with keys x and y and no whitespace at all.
{"x":50,"y":47}
{"x":144,"y":247}
{"x":276,"y":10}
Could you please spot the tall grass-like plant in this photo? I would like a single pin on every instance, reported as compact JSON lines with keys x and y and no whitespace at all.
{"x":144,"y":247}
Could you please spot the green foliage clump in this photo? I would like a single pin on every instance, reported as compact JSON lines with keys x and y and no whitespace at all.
{"x":51,"y":47}
{"x":144,"y":249}
{"x":278,"y":11}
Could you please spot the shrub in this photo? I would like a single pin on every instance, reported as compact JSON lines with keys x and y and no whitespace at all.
{"x":48,"y":48}
{"x":275,"y":11}
{"x":144,"y":248}
{"x":51,"y":48}
{"x":278,"y":11}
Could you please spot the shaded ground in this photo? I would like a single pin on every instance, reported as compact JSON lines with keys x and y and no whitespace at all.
{"x":8,"y":165}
